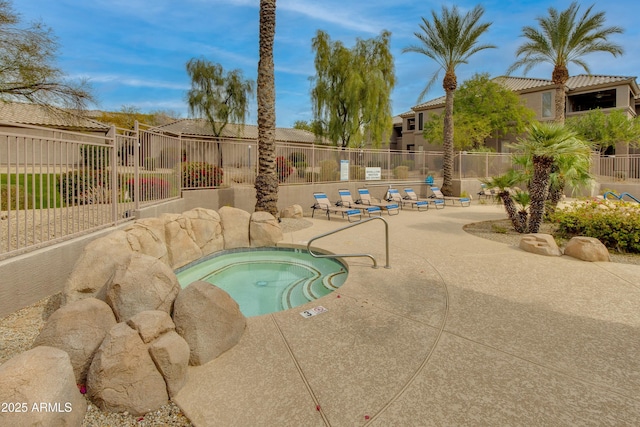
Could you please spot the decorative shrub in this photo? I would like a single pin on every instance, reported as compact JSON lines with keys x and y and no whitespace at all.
{"x":615,"y":224}
{"x":149,"y":163}
{"x":301,"y":167}
{"x":401,"y":172}
{"x":201,"y":174}
{"x":297,"y":157}
{"x":329,"y":170}
{"x":356,"y":172}
{"x":150,"y":188}
{"x":95,"y":157}
{"x":284,"y":168}
{"x":84,"y":186}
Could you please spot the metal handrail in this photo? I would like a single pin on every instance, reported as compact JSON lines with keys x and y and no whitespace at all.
{"x":375,"y":263}
{"x":621,"y":196}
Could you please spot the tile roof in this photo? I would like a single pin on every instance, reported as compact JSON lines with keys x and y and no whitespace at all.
{"x":39,"y":115}
{"x":199,"y":127}
{"x":523,"y":84}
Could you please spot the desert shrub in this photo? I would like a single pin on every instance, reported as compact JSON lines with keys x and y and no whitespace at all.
{"x":301,"y":167}
{"x":615,"y":224}
{"x":149,"y":163}
{"x":356,"y":172}
{"x":83,"y":186}
{"x":151,"y":188}
{"x":13,"y":197}
{"x":297,"y":157}
{"x":401,"y":172}
{"x":95,"y":157}
{"x":329,"y":170}
{"x":283,"y":168}
{"x":201,"y":174}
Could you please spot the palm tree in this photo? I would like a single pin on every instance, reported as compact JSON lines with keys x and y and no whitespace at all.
{"x":562,"y":39}
{"x":266,"y":184}
{"x":545,"y":144}
{"x":504,"y":183}
{"x":449,"y":39}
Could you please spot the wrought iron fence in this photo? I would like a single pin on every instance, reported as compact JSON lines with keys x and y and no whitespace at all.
{"x":56,"y":184}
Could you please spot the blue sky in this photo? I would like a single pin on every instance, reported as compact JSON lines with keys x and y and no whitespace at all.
{"x":134,"y":51}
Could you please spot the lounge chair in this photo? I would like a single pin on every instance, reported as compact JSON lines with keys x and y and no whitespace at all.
{"x":437,"y":194}
{"x":323,"y":204}
{"x":411,"y":195}
{"x":486,"y":192}
{"x":394,"y":196}
{"x":346,"y":201}
{"x":366,"y":200}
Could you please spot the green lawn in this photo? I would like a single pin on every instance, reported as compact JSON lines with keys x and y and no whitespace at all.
{"x":34,"y":190}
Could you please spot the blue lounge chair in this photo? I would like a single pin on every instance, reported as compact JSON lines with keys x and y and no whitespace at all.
{"x":366,"y":200}
{"x":394,"y":196}
{"x":323,"y":204}
{"x":346,"y":201}
{"x":411,"y":195}
{"x":437,"y":195}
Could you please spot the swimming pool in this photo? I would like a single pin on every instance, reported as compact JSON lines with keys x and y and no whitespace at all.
{"x":266,"y":280}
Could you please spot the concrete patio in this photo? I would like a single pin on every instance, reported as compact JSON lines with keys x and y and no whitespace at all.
{"x":459,"y":331}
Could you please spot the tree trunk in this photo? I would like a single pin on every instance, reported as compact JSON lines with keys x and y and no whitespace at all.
{"x":266,"y":184}
{"x":512,"y":212}
{"x":447,"y":146}
{"x":538,"y":190}
{"x":560,"y":76}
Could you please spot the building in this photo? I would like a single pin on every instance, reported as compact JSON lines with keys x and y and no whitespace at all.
{"x":583,"y":93}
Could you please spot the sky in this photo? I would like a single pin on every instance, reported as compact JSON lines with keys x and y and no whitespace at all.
{"x":133,"y":52}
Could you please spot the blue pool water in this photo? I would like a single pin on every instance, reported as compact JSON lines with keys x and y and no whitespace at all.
{"x":267,"y":280}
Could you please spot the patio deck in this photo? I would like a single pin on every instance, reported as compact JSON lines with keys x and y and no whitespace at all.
{"x":459,"y":331}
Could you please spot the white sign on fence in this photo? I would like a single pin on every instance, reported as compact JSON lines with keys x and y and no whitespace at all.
{"x":344,"y":170}
{"x":373,"y":174}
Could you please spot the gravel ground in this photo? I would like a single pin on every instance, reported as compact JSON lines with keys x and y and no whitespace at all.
{"x":19,"y":329}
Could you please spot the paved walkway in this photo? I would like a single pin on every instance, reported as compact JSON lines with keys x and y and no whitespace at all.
{"x":459,"y":331}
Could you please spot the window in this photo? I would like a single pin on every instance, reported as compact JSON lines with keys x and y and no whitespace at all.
{"x":546,"y":104}
{"x":420,"y":121}
{"x":411,"y":123}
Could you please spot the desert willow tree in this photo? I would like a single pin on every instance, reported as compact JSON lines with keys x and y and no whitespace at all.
{"x":352,"y":92}
{"x":27,"y":69}
{"x":266,"y":184}
{"x":564,"y":38}
{"x":449,"y":39}
{"x":217,"y":96}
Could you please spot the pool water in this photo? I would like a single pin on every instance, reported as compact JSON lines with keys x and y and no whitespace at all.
{"x":267,"y":280}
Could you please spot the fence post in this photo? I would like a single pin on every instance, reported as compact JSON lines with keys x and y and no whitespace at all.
{"x":136,"y":168}
{"x":113,"y":173}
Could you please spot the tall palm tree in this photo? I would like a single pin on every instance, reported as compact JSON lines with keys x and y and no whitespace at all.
{"x":504,"y":183}
{"x":564,"y":38}
{"x":266,"y":184}
{"x":544,"y":145}
{"x":449,"y":39}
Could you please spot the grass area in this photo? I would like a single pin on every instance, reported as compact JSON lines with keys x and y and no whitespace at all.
{"x":33,"y":190}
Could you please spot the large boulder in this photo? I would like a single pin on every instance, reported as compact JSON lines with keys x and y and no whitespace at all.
{"x":235,"y":227}
{"x":180,"y":240}
{"x":587,"y":249}
{"x":147,"y":236}
{"x":209,"y":320}
{"x":78,"y":328}
{"x":142,"y":283}
{"x":540,"y":243}
{"x":264,"y":230}
{"x":41,"y":383}
{"x":123,"y":377}
{"x":170,"y":352}
{"x":151,"y":324}
{"x":95,"y":267}
{"x":293,"y":211}
{"x":207,"y":229}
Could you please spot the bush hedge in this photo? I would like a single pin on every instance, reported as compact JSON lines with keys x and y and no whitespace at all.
{"x":84,"y":186}
{"x":615,"y":224}
{"x":201,"y":174}
{"x":150,"y":188}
